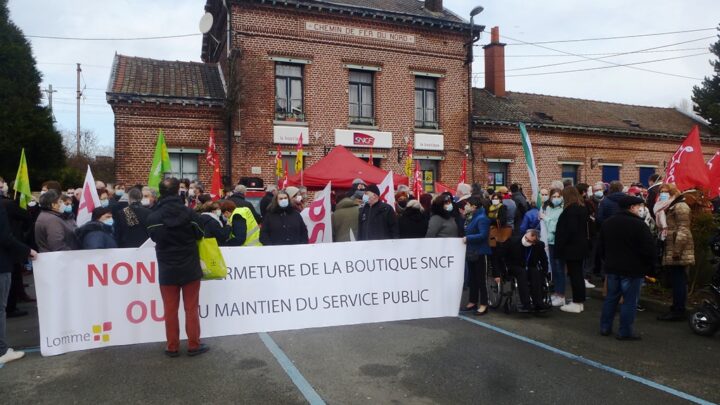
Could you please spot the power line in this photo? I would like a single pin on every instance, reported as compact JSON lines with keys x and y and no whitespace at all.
{"x":519,"y":42}
{"x":111,"y":39}
{"x":547,"y":55}
{"x":73,"y":64}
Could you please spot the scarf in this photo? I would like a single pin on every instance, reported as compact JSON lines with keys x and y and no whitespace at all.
{"x":661,"y":217}
{"x":213,"y":216}
{"x":493,"y":211}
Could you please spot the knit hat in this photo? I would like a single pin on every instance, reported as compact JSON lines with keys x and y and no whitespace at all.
{"x":99,"y":212}
{"x":373,"y":189}
{"x":628,"y":201}
{"x":292,"y":191}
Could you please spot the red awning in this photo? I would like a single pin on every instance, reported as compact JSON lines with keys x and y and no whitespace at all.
{"x":342,"y":167}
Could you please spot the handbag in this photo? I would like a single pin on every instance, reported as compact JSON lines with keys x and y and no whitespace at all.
{"x":212,"y":262}
{"x":499,"y":234}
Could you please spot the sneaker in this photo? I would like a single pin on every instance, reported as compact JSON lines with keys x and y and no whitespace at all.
{"x":640,"y":308}
{"x":11,"y":355}
{"x":557,"y":301}
{"x":589,"y":284}
{"x":200,"y":350}
{"x":171,"y":353}
{"x":572,"y":307}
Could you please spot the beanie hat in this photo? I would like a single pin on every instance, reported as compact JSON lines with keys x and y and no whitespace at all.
{"x":628,"y":201}
{"x":373,"y":189}
{"x":292,"y":191}
{"x":100,"y":211}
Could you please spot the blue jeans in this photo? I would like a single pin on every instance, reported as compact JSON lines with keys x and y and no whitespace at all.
{"x":629,"y":289}
{"x":557,"y":266}
{"x":4,"y":292}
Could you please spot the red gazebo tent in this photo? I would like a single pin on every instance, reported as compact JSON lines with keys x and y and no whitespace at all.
{"x":342,"y":167}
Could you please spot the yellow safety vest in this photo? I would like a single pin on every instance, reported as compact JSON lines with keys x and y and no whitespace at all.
{"x":252,"y":230}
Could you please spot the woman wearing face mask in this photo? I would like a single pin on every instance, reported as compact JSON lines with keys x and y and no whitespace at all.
{"x":552,"y":208}
{"x":283,"y":224}
{"x":104,"y":198}
{"x":477,"y":231}
{"x":497,"y":213}
{"x":213,"y":223}
{"x":673,"y":220}
{"x":52,"y":233}
{"x":442,"y":223}
{"x":572,"y":242}
{"x":98,"y":233}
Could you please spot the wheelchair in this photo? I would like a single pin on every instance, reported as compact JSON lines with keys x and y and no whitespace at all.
{"x":506,"y":294}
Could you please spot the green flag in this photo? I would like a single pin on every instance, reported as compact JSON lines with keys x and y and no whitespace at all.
{"x":530,"y":162}
{"x":22,"y":182}
{"x":160,"y":163}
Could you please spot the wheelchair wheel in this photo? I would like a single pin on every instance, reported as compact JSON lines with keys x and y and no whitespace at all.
{"x":512,"y":300}
{"x":545,"y":292}
{"x":495,"y":291}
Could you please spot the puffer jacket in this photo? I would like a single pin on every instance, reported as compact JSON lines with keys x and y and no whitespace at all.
{"x":95,"y":235}
{"x":344,"y":220}
{"x":679,"y":246}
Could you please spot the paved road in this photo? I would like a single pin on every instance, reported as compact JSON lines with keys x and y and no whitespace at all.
{"x":446,"y":360}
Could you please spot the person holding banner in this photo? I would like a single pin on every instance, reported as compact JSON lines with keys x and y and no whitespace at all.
{"x":477,"y":232}
{"x":52,"y":232}
{"x":284,"y":225}
{"x":98,"y":233}
{"x":175,"y":230}
{"x":377,"y":219}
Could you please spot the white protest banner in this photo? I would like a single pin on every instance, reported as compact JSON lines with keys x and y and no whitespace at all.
{"x":89,"y":199}
{"x":318,"y":218}
{"x":91,"y":299}
{"x":387,"y":190}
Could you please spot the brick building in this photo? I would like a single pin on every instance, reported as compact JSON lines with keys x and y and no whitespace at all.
{"x":372,"y":76}
{"x":582,"y":140}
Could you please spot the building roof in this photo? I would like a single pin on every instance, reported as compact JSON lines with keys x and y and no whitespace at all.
{"x":565,"y":113}
{"x":143,"y":79}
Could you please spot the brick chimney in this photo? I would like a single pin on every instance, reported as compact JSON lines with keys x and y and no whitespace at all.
{"x":434,"y":5}
{"x":495,"y":64}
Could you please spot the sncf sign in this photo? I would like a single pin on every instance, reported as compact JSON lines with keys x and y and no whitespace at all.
{"x":360,"y":139}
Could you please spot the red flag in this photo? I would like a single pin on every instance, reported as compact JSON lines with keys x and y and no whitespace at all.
{"x":687,"y":168}
{"x":212,"y":159}
{"x":418,"y":184}
{"x":463,"y":172}
{"x":714,"y":169}
{"x":370,"y":158}
{"x":285,"y":178}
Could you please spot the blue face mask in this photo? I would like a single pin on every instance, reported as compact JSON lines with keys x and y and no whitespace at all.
{"x":283,"y":203}
{"x":557,"y":201}
{"x":109,"y":222}
{"x":104,"y":203}
{"x":366,"y":198}
{"x":664,"y":196}
{"x":599,"y":194}
{"x":449,"y":208}
{"x":67,"y":209}
{"x":119,"y":193}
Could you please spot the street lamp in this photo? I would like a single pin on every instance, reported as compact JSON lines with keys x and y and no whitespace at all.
{"x":473,"y":38}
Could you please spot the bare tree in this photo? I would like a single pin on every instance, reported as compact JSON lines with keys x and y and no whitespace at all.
{"x":89,"y":146}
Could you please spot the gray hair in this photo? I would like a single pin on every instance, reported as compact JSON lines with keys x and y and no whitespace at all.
{"x":240,"y":189}
{"x":271,"y":188}
{"x":152,"y":191}
{"x":557,"y":184}
{"x":533,"y":231}
{"x":134,"y":195}
{"x":49,"y":198}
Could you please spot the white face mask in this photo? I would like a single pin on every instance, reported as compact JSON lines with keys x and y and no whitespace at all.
{"x":298,"y":198}
{"x":598,"y":194}
{"x":191,"y":193}
{"x":145,"y":202}
{"x":218,"y":213}
{"x":283,"y":203}
{"x":495,"y":202}
{"x":544,"y":198}
{"x":642,"y":212}
{"x":525,"y":242}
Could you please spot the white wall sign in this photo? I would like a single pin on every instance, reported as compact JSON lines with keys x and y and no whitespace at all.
{"x":359,"y":138}
{"x":429,"y":142}
{"x":112,"y":298}
{"x":290,"y":135}
{"x":338,"y":30}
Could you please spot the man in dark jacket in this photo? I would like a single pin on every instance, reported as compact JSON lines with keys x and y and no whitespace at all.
{"x":98,"y":233}
{"x":609,"y":205}
{"x":174,"y":229}
{"x":628,"y":250}
{"x":11,"y":250}
{"x":20,"y":223}
{"x":238,"y":197}
{"x":377,"y":220}
{"x":526,"y":259}
{"x":131,"y":221}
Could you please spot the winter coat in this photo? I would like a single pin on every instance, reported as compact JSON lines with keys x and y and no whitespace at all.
{"x":214,"y":228}
{"x":608,"y":207}
{"x":511,"y":211}
{"x":550,"y":218}
{"x":377,"y":222}
{"x":442,"y":224}
{"x":283,"y":226}
{"x":131,"y":225}
{"x":652,"y":195}
{"x":626,"y":246}
{"x":531,"y":220}
{"x":679,"y":246}
{"x":95,"y":235}
{"x":519,"y":256}
{"x":571,"y":235}
{"x":477,"y":233}
{"x":345,"y":220}
{"x":11,"y":249}
{"x":53,"y":234}
{"x":175,"y":229}
{"x":412,"y":223}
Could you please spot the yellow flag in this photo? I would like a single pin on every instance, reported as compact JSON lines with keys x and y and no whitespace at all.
{"x":22,"y":182}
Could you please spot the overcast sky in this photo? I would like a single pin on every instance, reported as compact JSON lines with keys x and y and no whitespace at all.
{"x":519,"y":21}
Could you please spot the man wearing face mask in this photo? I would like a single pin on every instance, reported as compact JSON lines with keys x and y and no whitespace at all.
{"x":609,"y":205}
{"x":376,"y":219}
{"x":526,"y":259}
{"x":628,"y":251}
{"x":149,"y":197}
{"x":52,"y":233}
{"x":98,"y":233}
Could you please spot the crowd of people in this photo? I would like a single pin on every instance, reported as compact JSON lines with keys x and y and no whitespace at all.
{"x":572,"y":234}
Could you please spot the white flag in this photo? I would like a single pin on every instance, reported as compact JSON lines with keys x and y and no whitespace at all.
{"x":88,"y":200}
{"x":318,"y":218}
{"x":387,"y":190}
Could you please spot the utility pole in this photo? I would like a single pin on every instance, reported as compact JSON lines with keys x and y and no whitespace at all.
{"x":79,"y":94}
{"x":50,"y":92}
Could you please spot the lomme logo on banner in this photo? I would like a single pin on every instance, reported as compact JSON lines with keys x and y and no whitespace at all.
{"x":102,"y":332}
{"x":363,"y":139}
